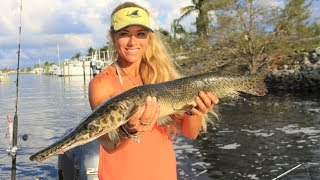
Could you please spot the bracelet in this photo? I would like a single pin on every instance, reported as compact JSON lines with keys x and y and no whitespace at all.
{"x":134,"y":135}
{"x":125,"y":130}
{"x":190,"y":113}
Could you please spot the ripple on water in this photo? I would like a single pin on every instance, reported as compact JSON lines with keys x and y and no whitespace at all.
{"x":229,"y":146}
{"x":259,"y":138}
{"x":294,"y":129}
{"x":259,"y":132}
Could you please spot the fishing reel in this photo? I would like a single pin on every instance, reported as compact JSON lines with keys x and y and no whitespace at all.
{"x":12,"y":150}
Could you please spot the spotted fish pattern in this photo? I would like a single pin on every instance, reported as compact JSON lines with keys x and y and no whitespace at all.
{"x":173,"y":97}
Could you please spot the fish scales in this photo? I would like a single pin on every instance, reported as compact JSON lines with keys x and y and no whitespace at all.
{"x":173,"y":97}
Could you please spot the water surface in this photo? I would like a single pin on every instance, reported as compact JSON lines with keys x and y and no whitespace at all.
{"x":256,"y":138}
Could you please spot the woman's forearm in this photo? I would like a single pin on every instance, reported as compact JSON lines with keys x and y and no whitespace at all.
{"x":191,"y":126}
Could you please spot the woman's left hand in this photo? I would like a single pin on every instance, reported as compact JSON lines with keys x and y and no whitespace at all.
{"x":145,"y":118}
{"x":191,"y":124}
{"x":205,"y":102}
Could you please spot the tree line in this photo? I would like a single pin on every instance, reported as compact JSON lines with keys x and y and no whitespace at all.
{"x":244,"y":36}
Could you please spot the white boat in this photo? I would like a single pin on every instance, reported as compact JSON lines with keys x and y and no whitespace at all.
{"x":97,"y":63}
{"x":84,"y":65}
{"x":55,"y":70}
{"x":76,"y":68}
{"x":37,"y":70}
{"x":4,"y":77}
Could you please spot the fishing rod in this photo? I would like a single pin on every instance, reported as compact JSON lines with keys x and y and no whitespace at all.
{"x":14,"y":145}
{"x":287,"y":172}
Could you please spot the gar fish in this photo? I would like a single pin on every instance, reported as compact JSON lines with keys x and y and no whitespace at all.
{"x":173,"y":97}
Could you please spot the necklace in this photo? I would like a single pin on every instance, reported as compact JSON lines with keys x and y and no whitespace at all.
{"x":136,"y":136}
{"x":125,"y":74}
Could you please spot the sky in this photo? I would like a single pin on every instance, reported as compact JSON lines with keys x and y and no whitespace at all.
{"x":71,"y":25}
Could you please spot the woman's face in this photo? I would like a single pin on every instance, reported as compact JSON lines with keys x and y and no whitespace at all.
{"x":131,"y":43}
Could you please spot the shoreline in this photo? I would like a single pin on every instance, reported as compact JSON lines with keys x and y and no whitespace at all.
{"x":297,"y":76}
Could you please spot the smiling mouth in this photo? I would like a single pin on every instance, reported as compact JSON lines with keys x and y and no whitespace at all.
{"x":132,"y":51}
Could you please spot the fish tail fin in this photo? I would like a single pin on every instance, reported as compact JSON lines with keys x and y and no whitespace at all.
{"x":254,"y":85}
{"x":264,"y":72}
{"x":261,"y":87}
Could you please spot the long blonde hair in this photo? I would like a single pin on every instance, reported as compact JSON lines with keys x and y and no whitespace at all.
{"x":156,"y":65}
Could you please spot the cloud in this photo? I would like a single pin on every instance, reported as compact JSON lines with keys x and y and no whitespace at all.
{"x":57,"y":25}
{"x":74,"y":25}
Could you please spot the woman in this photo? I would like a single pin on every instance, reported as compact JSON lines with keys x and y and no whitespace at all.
{"x":145,"y":150}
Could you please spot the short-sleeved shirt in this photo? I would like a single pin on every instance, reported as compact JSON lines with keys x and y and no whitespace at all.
{"x":152,"y":159}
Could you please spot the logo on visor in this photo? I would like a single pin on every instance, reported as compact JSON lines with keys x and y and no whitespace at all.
{"x":133,"y":14}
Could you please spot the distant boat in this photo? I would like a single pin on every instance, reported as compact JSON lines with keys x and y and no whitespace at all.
{"x":76,"y":67}
{"x":82,"y":66}
{"x":55,"y":70}
{"x":97,"y":65}
{"x":4,"y":77}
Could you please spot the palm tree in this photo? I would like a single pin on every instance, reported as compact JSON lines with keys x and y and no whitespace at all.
{"x":90,"y":51}
{"x":76,"y":56}
{"x":201,"y":7}
{"x":177,"y":28}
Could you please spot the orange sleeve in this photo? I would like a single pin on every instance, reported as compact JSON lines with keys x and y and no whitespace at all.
{"x":99,"y":91}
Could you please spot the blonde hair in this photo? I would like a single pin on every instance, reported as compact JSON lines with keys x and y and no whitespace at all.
{"x":156,"y":67}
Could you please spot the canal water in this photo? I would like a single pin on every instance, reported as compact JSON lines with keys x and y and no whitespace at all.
{"x":254,"y":138}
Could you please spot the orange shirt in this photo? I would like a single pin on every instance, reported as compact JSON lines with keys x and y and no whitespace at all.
{"x":152,"y":159}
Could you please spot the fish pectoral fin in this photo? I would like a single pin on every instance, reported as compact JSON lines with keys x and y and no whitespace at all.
{"x":114,"y":137}
{"x":166,"y":120}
